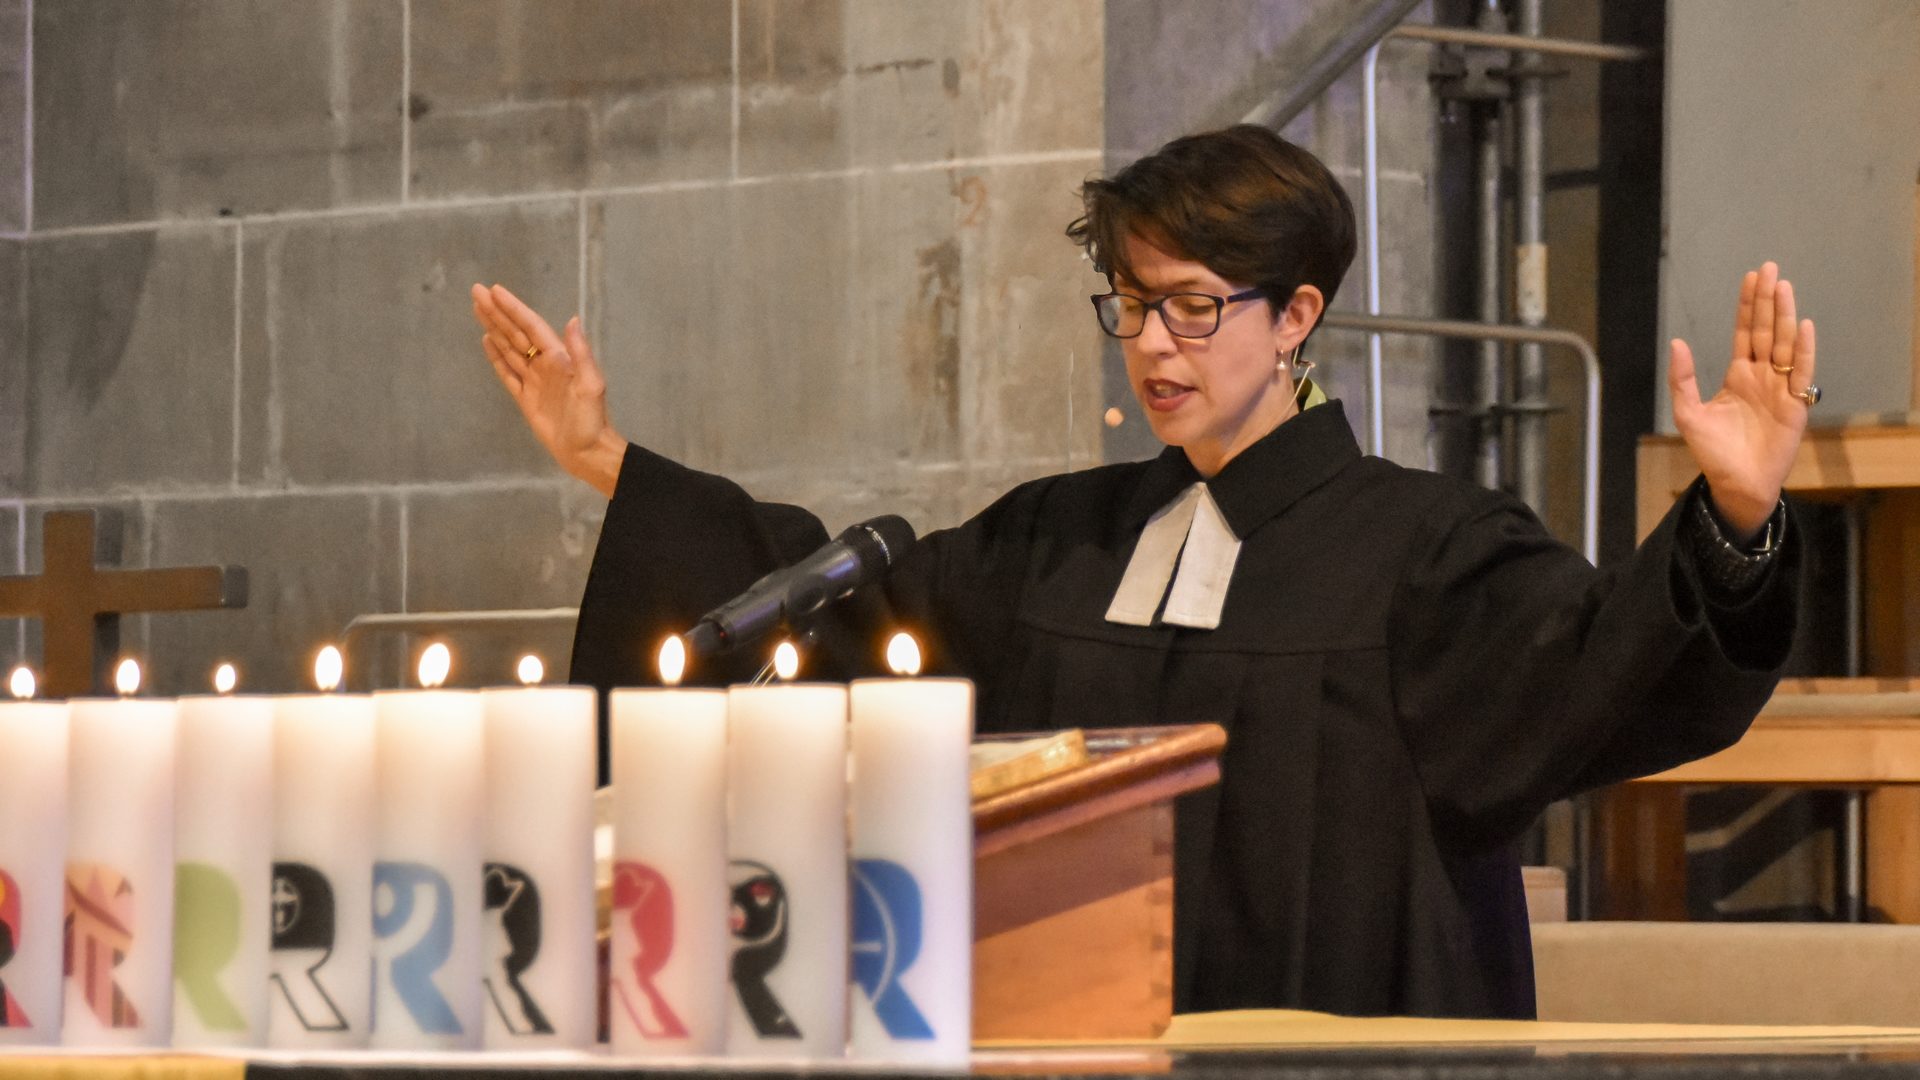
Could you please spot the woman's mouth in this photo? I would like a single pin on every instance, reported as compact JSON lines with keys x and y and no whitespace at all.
{"x":1165,"y":396}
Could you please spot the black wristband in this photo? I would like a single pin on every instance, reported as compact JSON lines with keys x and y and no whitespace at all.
{"x":1730,"y":569}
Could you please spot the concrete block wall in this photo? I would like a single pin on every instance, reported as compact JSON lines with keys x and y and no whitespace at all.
{"x":817,"y":244}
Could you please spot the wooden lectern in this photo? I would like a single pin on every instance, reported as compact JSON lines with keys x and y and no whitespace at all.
{"x":1073,"y":890}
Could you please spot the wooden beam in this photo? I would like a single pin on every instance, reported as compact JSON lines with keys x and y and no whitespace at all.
{"x":1893,"y":854}
{"x":1643,"y":852}
{"x":1811,"y":752}
{"x":1891,"y":572}
{"x":1832,"y":460}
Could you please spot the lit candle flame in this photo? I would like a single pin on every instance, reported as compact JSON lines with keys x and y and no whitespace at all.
{"x":126,"y":677}
{"x":435,"y":663}
{"x":786,"y":661}
{"x":531,"y":670}
{"x":673,"y":661}
{"x":21,"y":683}
{"x":225,"y":679}
{"x":327,"y":669}
{"x":903,"y":654}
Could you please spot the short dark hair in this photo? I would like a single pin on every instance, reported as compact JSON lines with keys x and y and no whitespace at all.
{"x":1242,"y":201}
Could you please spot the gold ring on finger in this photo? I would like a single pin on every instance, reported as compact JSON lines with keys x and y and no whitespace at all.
{"x":1788,"y":370}
{"x":533,"y":352}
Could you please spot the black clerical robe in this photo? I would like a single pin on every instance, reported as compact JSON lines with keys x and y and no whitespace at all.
{"x":1408,"y":668}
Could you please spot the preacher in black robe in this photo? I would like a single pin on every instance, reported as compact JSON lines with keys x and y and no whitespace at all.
{"x":1409,"y":668}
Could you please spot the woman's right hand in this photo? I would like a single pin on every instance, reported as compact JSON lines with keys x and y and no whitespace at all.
{"x":555,"y":382}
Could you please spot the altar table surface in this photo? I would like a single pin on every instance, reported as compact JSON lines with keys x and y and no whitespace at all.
{"x":1215,"y":1046}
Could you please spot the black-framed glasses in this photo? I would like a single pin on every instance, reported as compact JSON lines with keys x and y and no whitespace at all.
{"x":1186,"y":314}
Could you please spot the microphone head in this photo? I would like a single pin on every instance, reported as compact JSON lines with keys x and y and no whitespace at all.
{"x":880,"y":542}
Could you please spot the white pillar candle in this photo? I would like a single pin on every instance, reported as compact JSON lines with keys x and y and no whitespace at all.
{"x":323,"y":849}
{"x":539,"y":964}
{"x":223,"y":850}
{"x":33,"y":864}
{"x":912,"y":998}
{"x":119,"y":899}
{"x":431,"y":763}
{"x":668,"y":992}
{"x":787,"y":843}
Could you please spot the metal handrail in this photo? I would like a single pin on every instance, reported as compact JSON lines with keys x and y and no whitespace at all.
{"x":1513,"y":334}
{"x":1366,"y":29}
{"x":1486,"y":39}
{"x":1370,"y":184}
{"x":1383,"y":21}
{"x":434,"y":622}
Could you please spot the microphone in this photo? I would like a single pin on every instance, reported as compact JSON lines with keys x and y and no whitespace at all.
{"x":860,"y":554}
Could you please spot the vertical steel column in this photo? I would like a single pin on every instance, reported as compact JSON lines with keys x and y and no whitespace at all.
{"x":1530,"y":268}
{"x":1490,"y":395}
{"x":1376,"y":365}
{"x":1490,"y":387}
{"x":1852,"y":905}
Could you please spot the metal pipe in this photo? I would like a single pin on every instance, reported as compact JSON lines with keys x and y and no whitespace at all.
{"x":1360,"y":34}
{"x":1530,"y":271}
{"x":1853,"y":858}
{"x":1855,"y":594}
{"x":1490,"y":382}
{"x":1852,"y":852}
{"x":1370,"y":174}
{"x":1584,"y":50}
{"x":1507,"y":332}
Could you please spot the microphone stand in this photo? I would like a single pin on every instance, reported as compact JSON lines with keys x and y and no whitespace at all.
{"x":801,"y":642}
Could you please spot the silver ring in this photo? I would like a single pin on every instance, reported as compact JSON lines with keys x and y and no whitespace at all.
{"x":1811,"y":395}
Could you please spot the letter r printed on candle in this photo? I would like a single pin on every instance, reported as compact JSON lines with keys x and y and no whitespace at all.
{"x":413,"y":920}
{"x":886,"y":941}
{"x":206,"y":936}
{"x":644,"y":897}
{"x":11,"y":1015}
{"x":759,"y":919}
{"x":512,"y":914}
{"x":303,"y":931}
{"x":99,"y":935}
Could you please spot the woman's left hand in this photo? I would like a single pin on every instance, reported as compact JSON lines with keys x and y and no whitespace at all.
{"x":1745,"y":437}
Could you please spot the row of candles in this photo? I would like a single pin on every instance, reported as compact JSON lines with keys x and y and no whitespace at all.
{"x":791,"y":867}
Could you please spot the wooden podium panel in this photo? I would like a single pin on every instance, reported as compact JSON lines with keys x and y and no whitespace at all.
{"x":1073,"y":890}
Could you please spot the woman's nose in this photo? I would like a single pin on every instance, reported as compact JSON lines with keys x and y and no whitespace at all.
{"x":1154,"y":337}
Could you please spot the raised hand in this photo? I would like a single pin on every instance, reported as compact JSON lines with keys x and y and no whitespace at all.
{"x":556,"y":383}
{"x":1745,"y":437}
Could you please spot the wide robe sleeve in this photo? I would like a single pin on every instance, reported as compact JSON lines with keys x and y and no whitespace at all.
{"x":678,"y":542}
{"x":1522,"y":675}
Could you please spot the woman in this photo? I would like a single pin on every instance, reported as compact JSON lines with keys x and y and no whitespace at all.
{"x":1408,"y":667}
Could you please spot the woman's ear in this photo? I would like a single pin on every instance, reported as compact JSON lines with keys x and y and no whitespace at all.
{"x":1297,"y":319}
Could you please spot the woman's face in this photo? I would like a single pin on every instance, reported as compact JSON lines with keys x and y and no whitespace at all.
{"x":1213,"y":396}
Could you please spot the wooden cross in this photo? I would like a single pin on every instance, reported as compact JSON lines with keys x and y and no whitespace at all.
{"x":79,"y":605}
